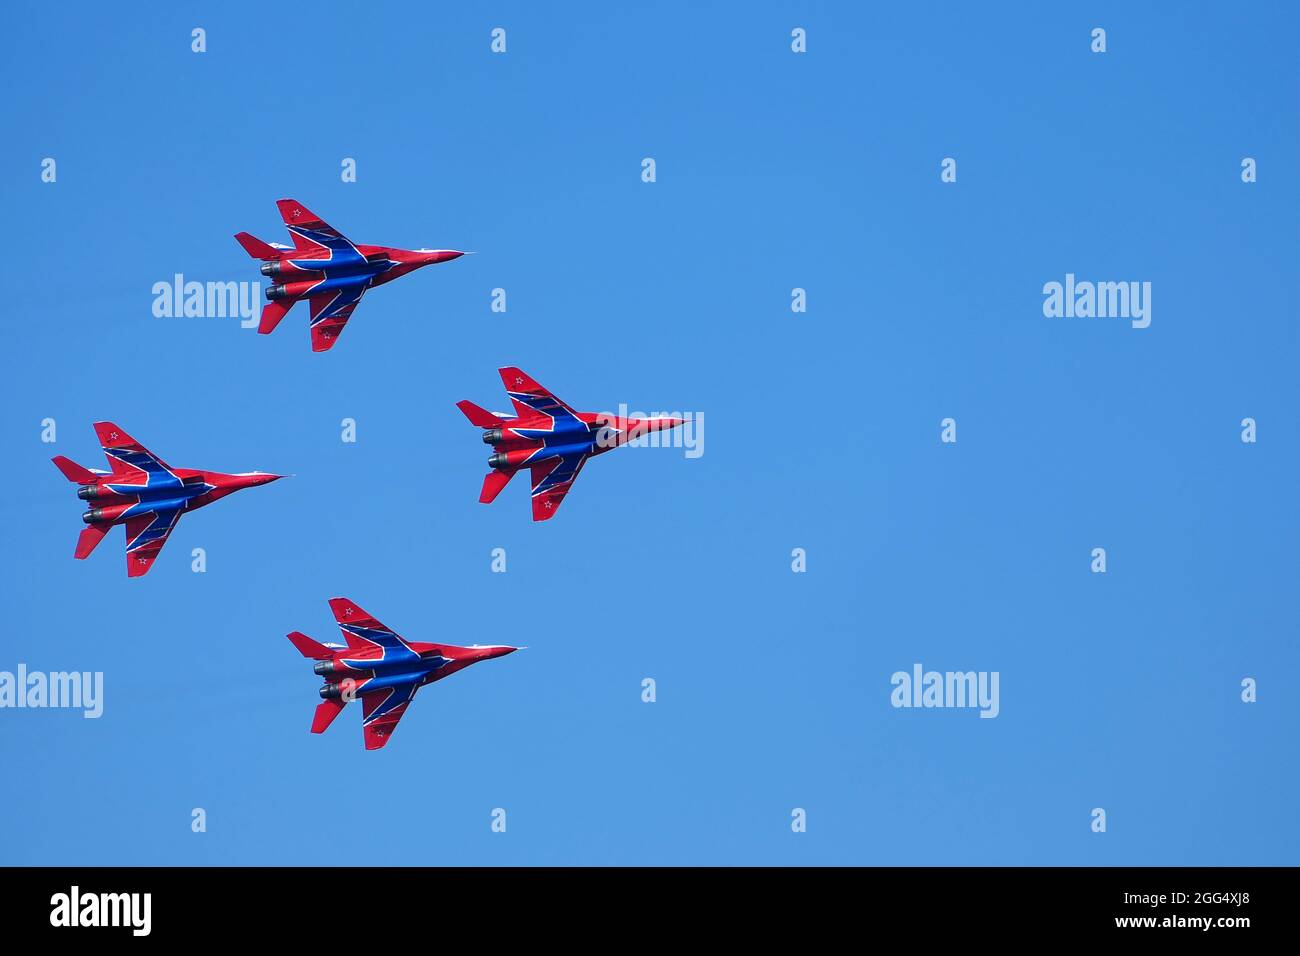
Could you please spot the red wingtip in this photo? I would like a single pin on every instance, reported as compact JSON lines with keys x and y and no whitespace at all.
{"x":295,"y":213}
{"x":544,"y":507}
{"x":113,"y":436}
{"x":517,"y":380}
{"x":346,"y":612}
{"x":138,"y":567}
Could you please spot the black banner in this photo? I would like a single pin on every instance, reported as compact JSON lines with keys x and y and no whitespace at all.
{"x":178,"y":904}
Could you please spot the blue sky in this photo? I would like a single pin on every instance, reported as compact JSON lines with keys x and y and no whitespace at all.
{"x":774,"y":171}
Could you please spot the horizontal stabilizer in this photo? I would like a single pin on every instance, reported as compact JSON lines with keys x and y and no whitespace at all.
{"x":74,"y":472}
{"x":309,"y":648}
{"x":90,"y":536}
{"x":326,"y":711}
{"x":272,"y":314}
{"x":493,"y":482}
{"x":256,"y":247}
{"x":480,"y":416}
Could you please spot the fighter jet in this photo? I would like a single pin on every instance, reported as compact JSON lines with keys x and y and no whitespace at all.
{"x":548,"y":438}
{"x":381,"y":668}
{"x":328,"y":269}
{"x":143,"y":493}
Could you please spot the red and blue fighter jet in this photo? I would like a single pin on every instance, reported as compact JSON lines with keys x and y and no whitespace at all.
{"x":143,"y":493}
{"x":548,"y":438}
{"x":327,"y":269}
{"x":379,"y":667}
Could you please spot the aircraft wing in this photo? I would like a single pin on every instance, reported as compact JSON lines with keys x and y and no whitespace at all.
{"x":145,"y":536}
{"x":311,"y":234}
{"x":330,"y":311}
{"x":530,"y":398}
{"x":382,"y":709}
{"x":362,"y":631}
{"x":131,"y":461}
{"x":552,"y":481}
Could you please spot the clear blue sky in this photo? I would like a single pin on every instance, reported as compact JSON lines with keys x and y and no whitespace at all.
{"x":775,"y":171}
